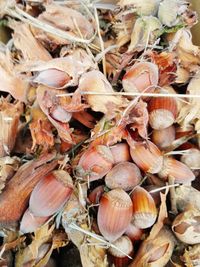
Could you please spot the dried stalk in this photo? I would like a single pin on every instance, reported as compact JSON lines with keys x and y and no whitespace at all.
{"x":25,"y":17}
{"x":133,"y":94}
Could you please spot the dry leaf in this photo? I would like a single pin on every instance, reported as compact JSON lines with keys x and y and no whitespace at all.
{"x":69,"y":20}
{"x":95,"y":81}
{"x":52,"y":106}
{"x":24,"y":40}
{"x":11,"y":82}
{"x":9,"y":121}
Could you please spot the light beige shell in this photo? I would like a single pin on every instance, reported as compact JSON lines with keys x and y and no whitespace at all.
{"x":186,"y":226}
{"x":155,"y":252}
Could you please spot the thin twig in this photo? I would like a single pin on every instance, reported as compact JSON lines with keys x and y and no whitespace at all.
{"x":100,"y":40}
{"x":97,"y":237}
{"x":133,"y":94}
{"x":163,"y":187}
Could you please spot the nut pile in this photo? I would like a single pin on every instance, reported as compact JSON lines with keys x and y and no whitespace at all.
{"x":100,"y":133}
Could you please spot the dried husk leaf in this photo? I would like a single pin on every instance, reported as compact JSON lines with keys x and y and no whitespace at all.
{"x":51,"y":105}
{"x":186,"y":226}
{"x":66,"y":19}
{"x":10,"y":82}
{"x":190,"y":113}
{"x":93,"y":255}
{"x":25,"y":41}
{"x":145,"y":31}
{"x":169,"y":11}
{"x":14,"y":198}
{"x":8,"y":167}
{"x":185,"y":195}
{"x":187,"y":53}
{"x":41,"y":129}
{"x":191,"y":256}
{"x":38,"y":253}
{"x":95,"y":81}
{"x":148,"y":254}
{"x":74,"y":212}
{"x":9,"y":122}
{"x":143,"y":8}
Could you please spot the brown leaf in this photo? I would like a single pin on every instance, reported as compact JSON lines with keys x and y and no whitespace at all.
{"x":52,"y":107}
{"x":67,"y":19}
{"x":138,"y":119}
{"x":25,"y":41}
{"x":9,"y":121}
{"x":10,"y":82}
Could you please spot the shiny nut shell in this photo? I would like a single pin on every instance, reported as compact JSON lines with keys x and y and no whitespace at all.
{"x":125,"y":175}
{"x":162,"y":112}
{"x":114,"y":214}
{"x":144,"y":208}
{"x":147,"y":156}
{"x":51,"y":193}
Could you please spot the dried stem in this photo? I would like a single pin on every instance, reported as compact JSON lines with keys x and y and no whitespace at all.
{"x":172,"y":195}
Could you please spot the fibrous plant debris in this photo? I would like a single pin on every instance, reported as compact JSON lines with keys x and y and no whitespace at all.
{"x":100,"y":133}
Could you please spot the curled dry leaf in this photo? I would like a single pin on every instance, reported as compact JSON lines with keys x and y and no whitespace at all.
{"x":10,"y":82}
{"x":67,"y":19}
{"x":145,"y":8}
{"x":167,"y":65}
{"x":138,"y":118}
{"x":41,"y":129}
{"x":41,"y":248}
{"x":155,"y":252}
{"x":52,"y":108}
{"x":145,"y":31}
{"x":93,"y":255}
{"x":8,"y":167}
{"x":190,"y":113}
{"x":9,"y":121}
{"x":186,"y":194}
{"x":95,"y":81}
{"x":186,"y":226}
{"x":186,"y":51}
{"x":191,"y":256}
{"x":25,"y":41}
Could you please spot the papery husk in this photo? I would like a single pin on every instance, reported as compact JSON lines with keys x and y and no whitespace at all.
{"x":10,"y":82}
{"x":41,"y":129}
{"x":9,"y":122}
{"x":74,"y":212}
{"x":47,"y":100}
{"x":143,"y":8}
{"x":8,"y":167}
{"x":169,"y":12}
{"x":191,"y":256}
{"x":145,"y":31}
{"x":186,"y":226}
{"x":25,"y":42}
{"x":190,"y":113}
{"x":14,"y":198}
{"x":67,"y":19}
{"x":93,"y":255}
{"x":95,"y":81}
{"x":187,"y":53}
{"x":185,"y":195}
{"x":68,"y":68}
{"x":123,"y":28}
{"x":150,"y":246}
{"x":37,"y":254}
